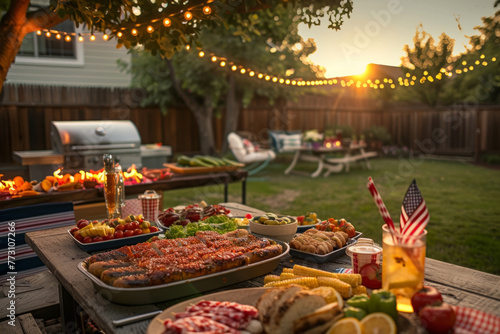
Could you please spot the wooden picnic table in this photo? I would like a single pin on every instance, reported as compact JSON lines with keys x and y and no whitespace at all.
{"x":459,"y":285}
{"x":320,"y":155}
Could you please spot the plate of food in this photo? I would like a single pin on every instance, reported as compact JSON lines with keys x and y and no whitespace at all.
{"x":97,"y":235}
{"x":186,"y":266}
{"x":306,"y":245}
{"x":257,"y":310}
{"x":184,"y":214}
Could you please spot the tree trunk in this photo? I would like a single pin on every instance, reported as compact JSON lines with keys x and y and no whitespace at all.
{"x":232,"y":112}
{"x":15,"y":24}
{"x":11,"y":37}
{"x":205,"y":129}
{"x":202,"y":113}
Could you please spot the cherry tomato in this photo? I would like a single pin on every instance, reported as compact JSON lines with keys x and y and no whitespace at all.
{"x":120,"y":227}
{"x":106,"y":237}
{"x":153,"y":229}
{"x":438,"y":318}
{"x":78,"y":236}
{"x":371,"y":275}
{"x":137,"y":231}
{"x":97,"y":239}
{"x":425,"y":296}
{"x":135,"y":225}
{"x":248,"y":216}
{"x":128,"y":233}
{"x":118,"y":234}
{"x":73,"y":230}
{"x":300,"y":219}
{"x":87,"y":240}
{"x":128,"y":226}
{"x":82,"y":223}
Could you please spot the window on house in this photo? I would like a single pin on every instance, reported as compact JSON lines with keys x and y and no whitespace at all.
{"x":40,"y":49}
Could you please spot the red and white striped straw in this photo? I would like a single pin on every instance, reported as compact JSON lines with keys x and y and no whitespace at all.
{"x":381,"y":206}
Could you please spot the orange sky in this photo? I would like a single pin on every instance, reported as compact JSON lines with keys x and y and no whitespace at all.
{"x":378,"y":30}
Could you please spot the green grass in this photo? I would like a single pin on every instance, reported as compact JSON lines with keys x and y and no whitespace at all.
{"x":463,"y":202}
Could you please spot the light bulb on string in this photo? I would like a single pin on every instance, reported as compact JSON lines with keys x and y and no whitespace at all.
{"x":134,"y":32}
{"x":48,"y":34}
{"x":38,"y":32}
{"x":242,"y":71}
{"x":188,"y":15}
{"x":67,"y":38}
{"x":222,"y":63}
{"x":58,"y":36}
{"x":234,"y":68}
{"x":252,"y":73}
{"x":119,"y":34}
{"x":92,"y":38}
{"x":105,"y":37}
{"x":213,"y":59}
{"x":150,"y":29}
{"x":201,"y":54}
{"x":207,"y":10}
{"x":80,"y":38}
{"x":167,"y":22}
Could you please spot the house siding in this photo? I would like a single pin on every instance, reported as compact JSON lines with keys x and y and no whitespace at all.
{"x":99,"y":68}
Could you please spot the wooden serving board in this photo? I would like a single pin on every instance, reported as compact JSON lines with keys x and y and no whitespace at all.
{"x":201,"y":170}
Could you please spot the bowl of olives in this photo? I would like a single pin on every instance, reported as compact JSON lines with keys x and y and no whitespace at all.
{"x":279,"y":227}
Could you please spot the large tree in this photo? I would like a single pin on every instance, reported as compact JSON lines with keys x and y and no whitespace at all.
{"x":482,"y":83}
{"x":423,"y":64}
{"x":271,"y":47}
{"x":163,"y":27}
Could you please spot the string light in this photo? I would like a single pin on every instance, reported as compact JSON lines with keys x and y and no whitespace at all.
{"x":376,"y":84}
{"x":188,"y":15}
{"x":167,"y":22}
{"x":207,"y":10}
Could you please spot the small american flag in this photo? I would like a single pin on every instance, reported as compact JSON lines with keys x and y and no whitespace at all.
{"x":414,"y":214}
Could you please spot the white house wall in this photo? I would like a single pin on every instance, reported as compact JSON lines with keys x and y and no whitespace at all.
{"x":97,"y":68}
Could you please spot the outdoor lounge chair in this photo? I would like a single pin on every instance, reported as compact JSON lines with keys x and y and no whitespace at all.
{"x":246,"y":153}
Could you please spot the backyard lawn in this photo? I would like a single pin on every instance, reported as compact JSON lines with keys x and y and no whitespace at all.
{"x":463,"y":202}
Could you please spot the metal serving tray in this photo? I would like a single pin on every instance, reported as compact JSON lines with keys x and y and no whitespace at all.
{"x":164,"y":292}
{"x":327,"y":257}
{"x":115,"y":243}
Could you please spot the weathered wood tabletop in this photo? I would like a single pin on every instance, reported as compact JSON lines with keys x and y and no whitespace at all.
{"x":459,"y":285}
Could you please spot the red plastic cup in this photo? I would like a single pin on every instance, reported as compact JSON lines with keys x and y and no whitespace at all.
{"x":150,"y":202}
{"x":366,"y":257}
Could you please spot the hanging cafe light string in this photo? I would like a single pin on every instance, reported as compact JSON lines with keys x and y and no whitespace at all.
{"x":186,"y":15}
{"x":408,"y":80}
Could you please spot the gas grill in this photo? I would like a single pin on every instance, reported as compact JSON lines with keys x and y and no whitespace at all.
{"x":83,"y":143}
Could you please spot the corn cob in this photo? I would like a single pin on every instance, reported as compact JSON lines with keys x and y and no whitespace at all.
{"x":353,"y":279}
{"x":271,"y":278}
{"x":285,"y":276}
{"x":343,"y":288}
{"x":287,"y":270}
{"x":310,"y":282}
{"x":359,"y":290}
{"x":306,"y":271}
{"x":326,"y":292}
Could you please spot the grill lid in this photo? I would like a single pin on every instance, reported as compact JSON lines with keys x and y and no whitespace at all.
{"x":70,"y":136}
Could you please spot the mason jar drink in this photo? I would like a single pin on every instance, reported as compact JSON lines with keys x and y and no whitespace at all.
{"x":403,"y":266}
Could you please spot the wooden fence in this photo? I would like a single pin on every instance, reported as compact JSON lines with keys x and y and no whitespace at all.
{"x":26,"y":112}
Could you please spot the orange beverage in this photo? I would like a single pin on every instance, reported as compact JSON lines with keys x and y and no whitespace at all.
{"x":110,"y":193}
{"x":403,"y":264}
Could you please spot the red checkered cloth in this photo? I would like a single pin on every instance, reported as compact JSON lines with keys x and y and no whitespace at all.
{"x":132,"y":207}
{"x":470,"y":321}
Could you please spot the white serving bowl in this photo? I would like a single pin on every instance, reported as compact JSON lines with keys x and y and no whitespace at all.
{"x":280,"y":232}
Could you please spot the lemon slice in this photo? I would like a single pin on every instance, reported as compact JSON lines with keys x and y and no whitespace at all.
{"x":378,"y":323}
{"x":347,"y":326}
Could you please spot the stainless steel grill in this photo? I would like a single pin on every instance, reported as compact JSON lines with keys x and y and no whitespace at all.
{"x":82,"y":143}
